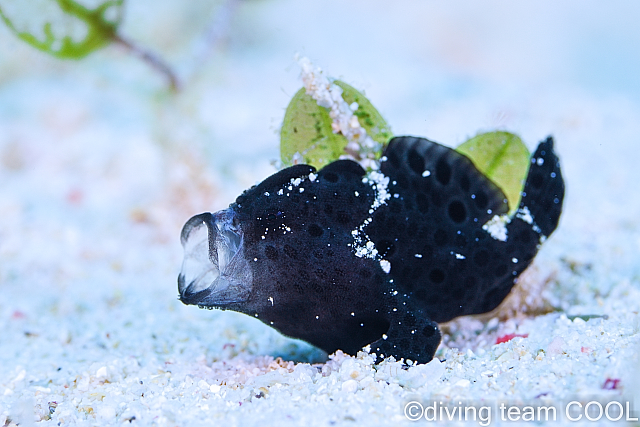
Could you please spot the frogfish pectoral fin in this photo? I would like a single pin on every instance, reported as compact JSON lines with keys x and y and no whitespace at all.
{"x":417,"y":342}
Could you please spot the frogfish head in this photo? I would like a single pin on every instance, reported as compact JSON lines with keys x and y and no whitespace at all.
{"x":214,"y":272}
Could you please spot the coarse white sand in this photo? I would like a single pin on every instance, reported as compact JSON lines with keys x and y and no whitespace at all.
{"x":100,"y":167}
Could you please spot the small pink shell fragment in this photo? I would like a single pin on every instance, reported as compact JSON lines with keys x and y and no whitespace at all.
{"x":509,"y":337}
{"x":611,"y":384}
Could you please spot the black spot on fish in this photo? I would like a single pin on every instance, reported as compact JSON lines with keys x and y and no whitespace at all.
{"x":457,"y":211}
{"x":315,"y":230}
{"x":326,"y":257}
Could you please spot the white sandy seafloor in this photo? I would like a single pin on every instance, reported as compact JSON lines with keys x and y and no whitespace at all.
{"x":100,"y":167}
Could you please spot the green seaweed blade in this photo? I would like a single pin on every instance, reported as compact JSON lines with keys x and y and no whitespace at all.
{"x":369,"y":118}
{"x":307,"y":134}
{"x":306,"y":131}
{"x":68,"y":29}
{"x":503,"y":158}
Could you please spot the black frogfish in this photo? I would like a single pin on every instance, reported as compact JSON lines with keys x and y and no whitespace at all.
{"x":342,"y":258}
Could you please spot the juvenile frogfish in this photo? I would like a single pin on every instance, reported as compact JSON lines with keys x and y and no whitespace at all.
{"x":343,"y":259}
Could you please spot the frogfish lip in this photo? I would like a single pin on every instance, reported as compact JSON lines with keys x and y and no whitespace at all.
{"x":214,"y":271}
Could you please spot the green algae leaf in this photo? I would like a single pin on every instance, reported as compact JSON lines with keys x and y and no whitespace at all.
{"x":369,"y":118}
{"x":307,"y":137}
{"x":306,"y":134}
{"x":65,"y":29}
{"x":503,"y":158}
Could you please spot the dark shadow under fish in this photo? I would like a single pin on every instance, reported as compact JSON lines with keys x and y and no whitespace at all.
{"x":343,"y":259}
